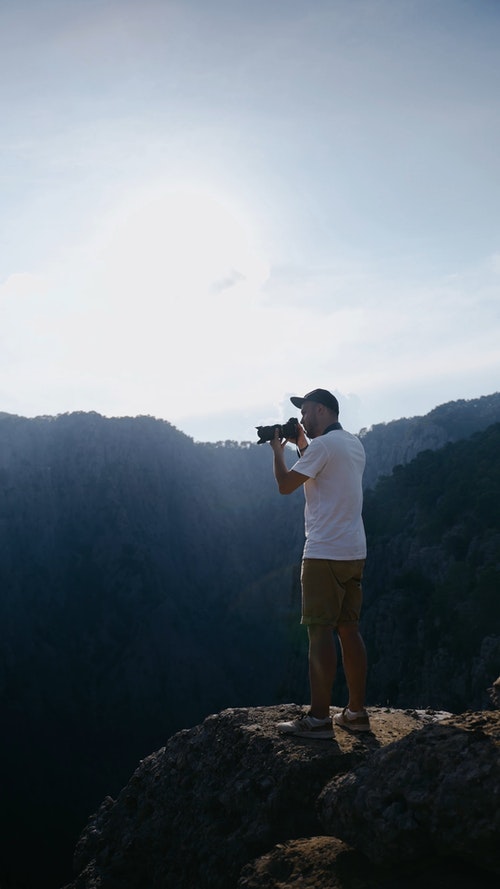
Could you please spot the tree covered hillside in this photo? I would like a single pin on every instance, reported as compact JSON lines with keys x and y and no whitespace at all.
{"x":141,"y":578}
{"x":399,"y":442}
{"x":432,"y":583}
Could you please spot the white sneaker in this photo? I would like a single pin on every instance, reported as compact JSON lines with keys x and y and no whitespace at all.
{"x":307,"y":727}
{"x":359,"y":723}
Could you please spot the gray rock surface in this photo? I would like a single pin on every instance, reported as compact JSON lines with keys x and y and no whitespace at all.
{"x":231,"y":802}
{"x":435,"y":792}
{"x":327,"y":863}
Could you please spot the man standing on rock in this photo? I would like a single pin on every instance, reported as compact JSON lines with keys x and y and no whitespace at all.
{"x":330,"y":467}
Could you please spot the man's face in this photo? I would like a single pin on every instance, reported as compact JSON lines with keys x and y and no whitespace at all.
{"x":309,"y":419}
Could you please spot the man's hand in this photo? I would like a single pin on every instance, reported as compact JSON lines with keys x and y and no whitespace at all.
{"x":277,"y":443}
{"x":301,"y":440}
{"x":288,"y":480}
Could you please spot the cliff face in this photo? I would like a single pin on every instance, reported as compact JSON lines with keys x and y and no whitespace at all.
{"x":231,"y":803}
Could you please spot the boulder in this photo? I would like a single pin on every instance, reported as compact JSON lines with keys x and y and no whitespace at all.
{"x":435,"y":792}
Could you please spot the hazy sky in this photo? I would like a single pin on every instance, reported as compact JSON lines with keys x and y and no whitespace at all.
{"x":209,"y":205}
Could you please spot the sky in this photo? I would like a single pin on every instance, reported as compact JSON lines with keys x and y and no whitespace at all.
{"x":210,"y":205}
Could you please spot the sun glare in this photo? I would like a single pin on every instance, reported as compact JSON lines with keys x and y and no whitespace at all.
{"x":186,"y":243}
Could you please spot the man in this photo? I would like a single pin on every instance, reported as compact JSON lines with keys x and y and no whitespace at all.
{"x":330,"y":467}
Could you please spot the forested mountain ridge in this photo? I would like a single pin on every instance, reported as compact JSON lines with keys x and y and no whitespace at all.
{"x":398,"y":442}
{"x":146,"y":581}
{"x":432,"y":583}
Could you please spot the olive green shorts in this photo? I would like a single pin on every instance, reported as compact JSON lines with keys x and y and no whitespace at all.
{"x":331,"y":591}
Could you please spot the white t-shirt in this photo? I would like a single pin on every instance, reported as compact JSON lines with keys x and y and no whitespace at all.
{"x":334,"y":464}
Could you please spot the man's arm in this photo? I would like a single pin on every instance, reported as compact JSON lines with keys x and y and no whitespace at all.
{"x":288,"y":480}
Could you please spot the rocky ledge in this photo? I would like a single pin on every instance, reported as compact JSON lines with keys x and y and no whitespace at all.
{"x":231,"y":804}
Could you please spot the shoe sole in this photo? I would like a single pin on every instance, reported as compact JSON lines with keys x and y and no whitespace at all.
{"x":353,"y":728}
{"x":326,"y":732}
{"x":318,"y":735}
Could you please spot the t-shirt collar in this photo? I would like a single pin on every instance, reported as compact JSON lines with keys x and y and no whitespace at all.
{"x":331,"y":427}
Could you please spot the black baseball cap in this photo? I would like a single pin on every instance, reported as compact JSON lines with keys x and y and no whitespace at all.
{"x":320,"y":396}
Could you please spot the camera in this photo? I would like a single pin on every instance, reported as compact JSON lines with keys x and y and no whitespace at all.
{"x":290,"y":430}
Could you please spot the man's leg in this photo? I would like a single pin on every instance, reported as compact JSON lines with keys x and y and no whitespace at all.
{"x":322,"y":668}
{"x":355,"y":664}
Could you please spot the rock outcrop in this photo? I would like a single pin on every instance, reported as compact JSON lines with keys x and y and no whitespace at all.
{"x":436,"y":792}
{"x":231,"y":803}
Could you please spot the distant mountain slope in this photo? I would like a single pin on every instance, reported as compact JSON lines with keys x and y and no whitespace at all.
{"x":431,"y":617}
{"x":398,"y":442}
{"x":135,"y":592}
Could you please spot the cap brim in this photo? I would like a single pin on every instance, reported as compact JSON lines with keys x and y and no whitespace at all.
{"x":298,"y":402}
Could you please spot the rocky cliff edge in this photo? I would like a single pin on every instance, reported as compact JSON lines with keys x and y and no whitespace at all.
{"x":231,"y":804}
